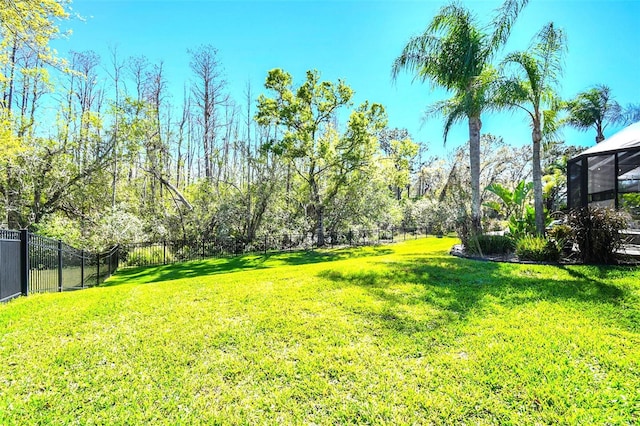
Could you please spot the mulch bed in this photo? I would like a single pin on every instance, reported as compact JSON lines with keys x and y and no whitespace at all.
{"x":458,"y":250}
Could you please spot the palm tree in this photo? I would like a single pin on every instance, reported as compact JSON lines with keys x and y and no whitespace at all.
{"x":594,"y":108}
{"x":531,"y":88}
{"x":455,"y":53}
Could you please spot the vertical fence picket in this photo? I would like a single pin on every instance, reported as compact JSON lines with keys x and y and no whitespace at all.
{"x":46,"y":265}
{"x":59,"y":265}
{"x":81,"y":268}
{"x":24,"y":262}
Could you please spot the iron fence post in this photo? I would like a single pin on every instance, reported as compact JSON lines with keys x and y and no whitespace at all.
{"x":59,"y":265}
{"x":164,"y":252}
{"x":81,"y":268}
{"x":24,"y":262}
{"x":98,"y":271}
{"x":265,"y":244}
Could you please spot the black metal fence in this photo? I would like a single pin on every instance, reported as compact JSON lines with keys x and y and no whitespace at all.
{"x":30,"y":263}
{"x":10,"y":271}
{"x":168,"y":252}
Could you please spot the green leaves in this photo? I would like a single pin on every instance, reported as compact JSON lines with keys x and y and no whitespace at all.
{"x":593,"y":108}
{"x":514,"y":205}
{"x":324,"y":158}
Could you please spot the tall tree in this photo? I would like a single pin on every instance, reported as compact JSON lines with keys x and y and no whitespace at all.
{"x":208,"y":96}
{"x":532,"y":89}
{"x":455,"y":52}
{"x":401,"y":151}
{"x":323,"y":158}
{"x":26,"y":25}
{"x":594,"y":108}
{"x":116,"y":77}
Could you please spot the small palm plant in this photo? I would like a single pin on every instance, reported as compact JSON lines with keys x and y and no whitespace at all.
{"x":515,"y":206}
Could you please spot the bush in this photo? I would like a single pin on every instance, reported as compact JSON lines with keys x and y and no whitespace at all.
{"x":143,"y":256}
{"x":490,"y":244}
{"x":519,"y":227}
{"x":561,"y":235}
{"x":537,"y":249}
{"x":430,"y":214}
{"x":596,"y":231}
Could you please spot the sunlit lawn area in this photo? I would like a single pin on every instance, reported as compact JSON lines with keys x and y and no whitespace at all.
{"x":398,"y":334}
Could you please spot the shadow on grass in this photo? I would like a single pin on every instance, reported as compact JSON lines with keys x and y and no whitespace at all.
{"x":453,"y":288}
{"x":198,"y":268}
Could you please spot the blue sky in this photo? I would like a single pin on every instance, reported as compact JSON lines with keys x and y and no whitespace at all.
{"x":357,"y":41}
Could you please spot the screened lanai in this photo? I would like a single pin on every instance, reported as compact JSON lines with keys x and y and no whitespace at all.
{"x":608,"y":174}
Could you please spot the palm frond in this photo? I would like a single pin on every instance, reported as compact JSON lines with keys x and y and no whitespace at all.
{"x":504,"y":18}
{"x":549,"y":47}
{"x":418,"y":54}
{"x":593,"y":106}
{"x":453,"y":111}
{"x":530,"y":67}
{"x":631,"y":114}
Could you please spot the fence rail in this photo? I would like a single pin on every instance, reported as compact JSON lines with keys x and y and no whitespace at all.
{"x":31,"y":263}
{"x":169,"y":252}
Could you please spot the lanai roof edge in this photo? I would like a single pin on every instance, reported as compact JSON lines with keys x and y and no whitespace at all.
{"x":627,"y":138}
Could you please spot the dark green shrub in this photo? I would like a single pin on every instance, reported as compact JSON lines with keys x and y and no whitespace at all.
{"x":490,"y":244}
{"x":537,"y":249}
{"x":143,"y":256}
{"x":596,"y":231}
{"x":561,"y":234}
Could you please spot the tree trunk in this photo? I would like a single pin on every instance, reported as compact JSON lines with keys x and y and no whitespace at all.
{"x":474,"y":162}
{"x":600,"y":133}
{"x":320,"y":226}
{"x":537,"y":178}
{"x":8,"y":97}
{"x":316,"y":203}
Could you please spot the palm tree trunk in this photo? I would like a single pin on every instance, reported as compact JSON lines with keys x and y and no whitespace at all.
{"x":600,"y":133}
{"x":537,"y":178}
{"x":474,"y":162}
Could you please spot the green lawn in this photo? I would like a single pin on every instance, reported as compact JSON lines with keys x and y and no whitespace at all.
{"x":399,"y":334}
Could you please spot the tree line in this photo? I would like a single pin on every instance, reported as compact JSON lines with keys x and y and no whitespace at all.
{"x":96,"y":151}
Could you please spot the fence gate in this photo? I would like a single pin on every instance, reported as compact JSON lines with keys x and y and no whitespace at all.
{"x":10,"y":278}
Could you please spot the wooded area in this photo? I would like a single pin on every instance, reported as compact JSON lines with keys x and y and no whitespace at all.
{"x":96,"y":152}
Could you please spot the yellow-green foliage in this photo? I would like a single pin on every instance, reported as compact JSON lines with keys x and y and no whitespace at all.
{"x":400,"y":334}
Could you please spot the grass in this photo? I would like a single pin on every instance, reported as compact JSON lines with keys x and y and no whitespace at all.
{"x":399,"y":334}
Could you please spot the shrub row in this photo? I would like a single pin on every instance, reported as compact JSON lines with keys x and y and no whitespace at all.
{"x":595,"y":231}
